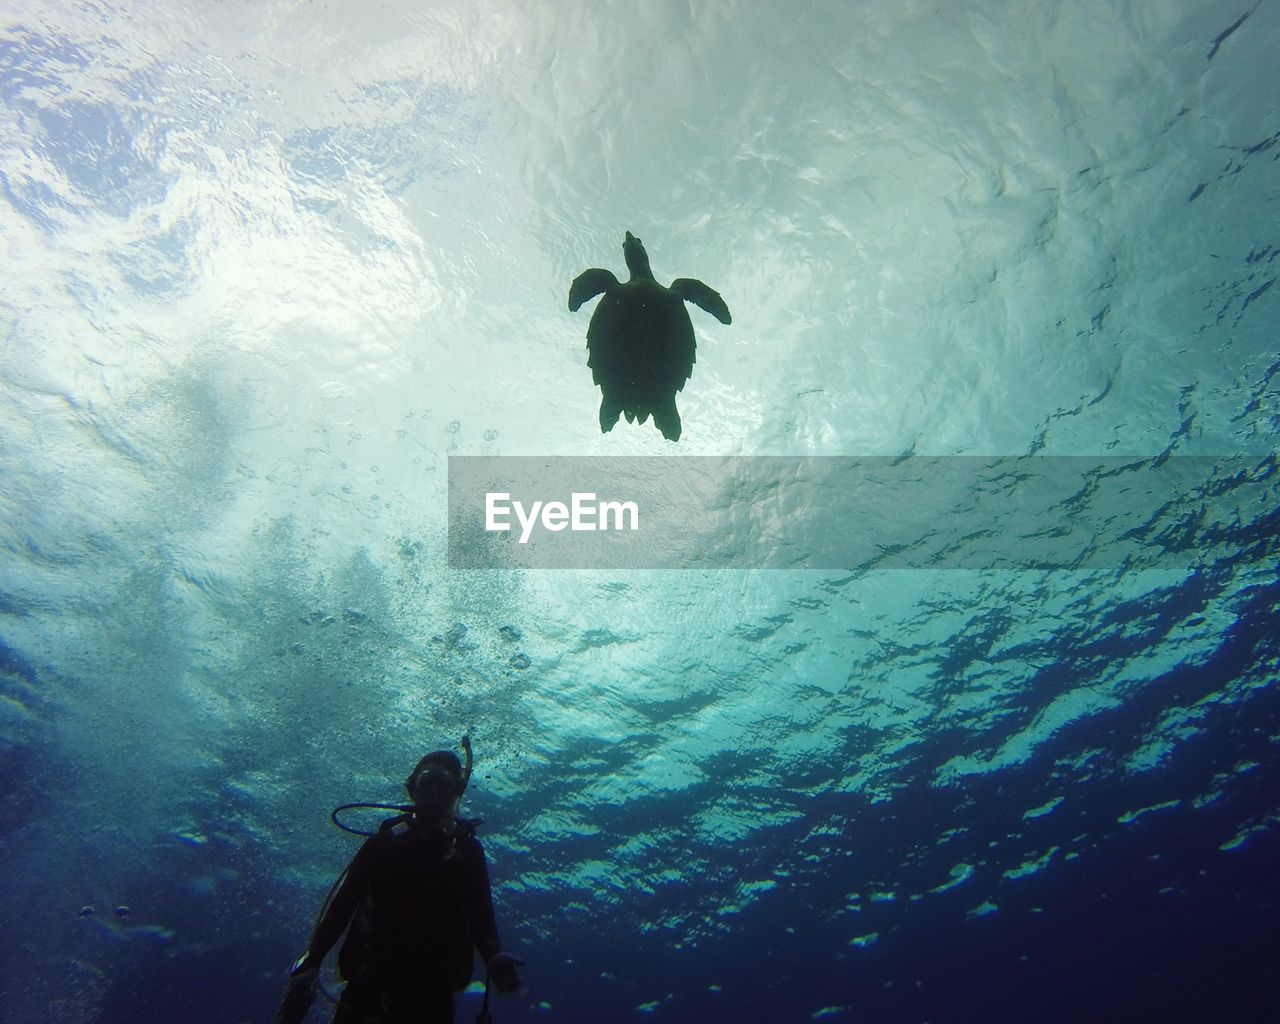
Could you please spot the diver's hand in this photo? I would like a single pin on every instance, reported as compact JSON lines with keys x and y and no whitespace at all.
{"x":301,"y":993}
{"x":503,"y":973}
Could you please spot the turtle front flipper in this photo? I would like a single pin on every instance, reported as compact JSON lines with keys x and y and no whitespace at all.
{"x":588,"y":285}
{"x":701,"y":295}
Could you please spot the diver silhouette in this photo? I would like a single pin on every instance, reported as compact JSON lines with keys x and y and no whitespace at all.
{"x":416,"y":905}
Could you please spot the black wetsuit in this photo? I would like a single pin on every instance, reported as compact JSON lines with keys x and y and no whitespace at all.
{"x":418,"y":903}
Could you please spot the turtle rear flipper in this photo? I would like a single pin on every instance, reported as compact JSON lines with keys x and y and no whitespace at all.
{"x":588,"y":285}
{"x":701,"y":295}
{"x":609,"y":412}
{"x":667,"y":419}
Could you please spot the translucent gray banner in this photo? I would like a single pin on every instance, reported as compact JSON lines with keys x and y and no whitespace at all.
{"x":834,"y":513}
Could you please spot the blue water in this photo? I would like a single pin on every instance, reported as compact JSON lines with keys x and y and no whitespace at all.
{"x":268,"y":266}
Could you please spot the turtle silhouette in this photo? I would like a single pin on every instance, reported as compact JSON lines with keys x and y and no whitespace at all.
{"x":640,"y":341}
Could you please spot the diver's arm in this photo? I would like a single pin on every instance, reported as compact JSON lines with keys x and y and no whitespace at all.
{"x":341,"y":903}
{"x":337,"y":912}
{"x":502,"y":969}
{"x":480,"y":896}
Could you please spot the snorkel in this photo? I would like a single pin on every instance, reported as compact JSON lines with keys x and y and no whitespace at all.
{"x":466,"y":764}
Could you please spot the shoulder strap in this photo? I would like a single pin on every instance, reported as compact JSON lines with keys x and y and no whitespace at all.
{"x":466,"y":828}
{"x":396,"y":826}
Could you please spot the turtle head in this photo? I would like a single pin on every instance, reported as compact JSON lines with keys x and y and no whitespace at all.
{"x":637,"y":259}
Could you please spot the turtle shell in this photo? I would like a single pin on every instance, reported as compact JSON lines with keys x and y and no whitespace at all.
{"x":640,"y":346}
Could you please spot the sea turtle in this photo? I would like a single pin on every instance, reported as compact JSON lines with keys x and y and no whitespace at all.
{"x":640,"y":342}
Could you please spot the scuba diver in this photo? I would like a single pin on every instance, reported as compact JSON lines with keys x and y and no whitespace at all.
{"x":416,"y":905}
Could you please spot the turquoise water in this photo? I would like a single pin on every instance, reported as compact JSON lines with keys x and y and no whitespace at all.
{"x":268,"y":266}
